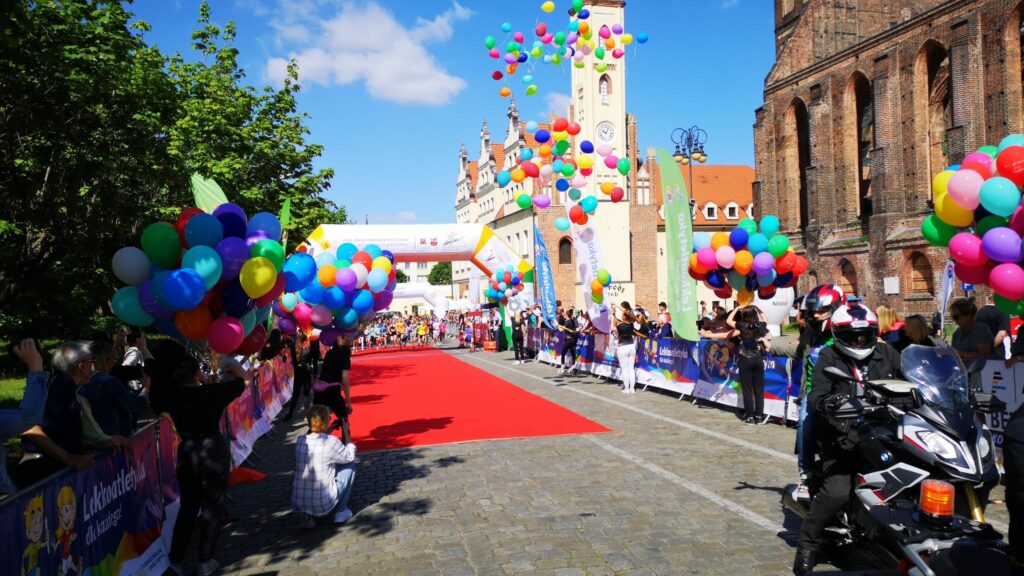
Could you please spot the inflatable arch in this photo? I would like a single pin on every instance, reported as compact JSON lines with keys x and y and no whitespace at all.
{"x":439,"y":302}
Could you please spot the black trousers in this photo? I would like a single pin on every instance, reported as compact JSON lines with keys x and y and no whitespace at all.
{"x":570,"y":349}
{"x":517,"y":345}
{"x":1013,"y":463}
{"x":752,"y":385}
{"x":303,"y":387}
{"x":203,"y":466}
{"x":333,"y":399}
{"x":829,"y":499}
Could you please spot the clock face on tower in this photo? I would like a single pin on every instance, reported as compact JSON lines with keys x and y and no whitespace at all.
{"x":605,"y":132}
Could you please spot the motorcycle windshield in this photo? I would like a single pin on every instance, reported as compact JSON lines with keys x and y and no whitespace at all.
{"x":939,"y":374}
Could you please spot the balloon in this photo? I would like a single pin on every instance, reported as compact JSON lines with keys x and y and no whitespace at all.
{"x":346,"y":279}
{"x":1011,"y":140}
{"x":321,"y":315}
{"x":940,"y":183}
{"x":383,"y":300}
{"x":749,"y":225}
{"x":131,"y":265}
{"x":161,"y":244}
{"x":148,"y":301}
{"x":302,"y":312}
{"x":989,"y":222}
{"x":258,"y":276}
{"x":374,"y":251}
{"x":225,"y":334}
{"x":194,"y":324}
{"x":785,"y":262}
{"x":1002,"y":245}
{"x":362,"y":302}
{"x":232,"y":219}
{"x":346,"y":251}
{"x":719,"y":239}
{"x":286,"y":325}
{"x":288,"y":301}
{"x":524,"y":201}
{"x":604,"y":150}
{"x":707,"y":257}
{"x":744,"y":262}
{"x":271,"y":250}
{"x":490,"y":42}
{"x":206,"y":262}
{"x":542,"y":201}
{"x":716,"y":279}
{"x":382,"y":263}
{"x":583,"y":14}
{"x":604,"y":277}
{"x":361,"y":273}
{"x":769,"y":225}
{"x":574,"y":194}
{"x":542,"y":136}
{"x":547,"y":6}
{"x":964,"y":187}
{"x":265,"y":222}
{"x":999,"y":196}
{"x":587,"y":147}
{"x":1010,"y":164}
{"x":184,"y":218}
{"x":617,"y":194}
{"x":611,"y":161}
{"x":778,"y":245}
{"x":334,"y":298}
{"x":1007,"y":280}
{"x":184,"y":289}
{"x":233,"y":255}
{"x":738,"y":238}
{"x":299,"y":270}
{"x":736,"y":280}
{"x":951,"y":213}
{"x":589,"y":204}
{"x":257,"y":338}
{"x":235,"y":301}
{"x":642,"y":38}
{"x":562,"y":223}
{"x":763,"y":263}
{"x":127,"y":307}
{"x":312,"y":294}
{"x":967,"y":249}
{"x":203,"y":230}
{"x":701,"y":240}
{"x":725,"y":256}
{"x":271,"y":296}
{"x":377,"y":280}
{"x":623,"y":166}
{"x":937,"y":232}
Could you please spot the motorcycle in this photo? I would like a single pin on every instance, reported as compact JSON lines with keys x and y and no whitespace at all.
{"x":920,"y":443}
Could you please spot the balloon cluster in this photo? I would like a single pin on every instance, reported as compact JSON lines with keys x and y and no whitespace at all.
{"x":334,"y":292}
{"x":749,"y":258}
{"x":206,"y":278}
{"x":598,"y":284}
{"x":505,"y":283}
{"x":550,"y":46}
{"x":554,"y":160}
{"x":978,"y":215}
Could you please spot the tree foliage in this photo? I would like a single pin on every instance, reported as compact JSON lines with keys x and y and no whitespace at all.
{"x":99,"y":133}
{"x":440,"y":274}
{"x":401,"y":277}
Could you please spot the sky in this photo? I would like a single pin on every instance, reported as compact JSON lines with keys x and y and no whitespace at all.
{"x":392,"y":87}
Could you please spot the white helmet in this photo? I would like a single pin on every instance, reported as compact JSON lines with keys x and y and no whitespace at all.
{"x":855,"y":329}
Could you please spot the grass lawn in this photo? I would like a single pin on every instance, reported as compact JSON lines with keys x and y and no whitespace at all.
{"x":11,"y":391}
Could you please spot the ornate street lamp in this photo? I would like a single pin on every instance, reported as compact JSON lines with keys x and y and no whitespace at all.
{"x":689,"y":149}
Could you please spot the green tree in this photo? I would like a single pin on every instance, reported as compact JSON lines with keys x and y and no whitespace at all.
{"x":401,"y":277}
{"x":440,"y":274}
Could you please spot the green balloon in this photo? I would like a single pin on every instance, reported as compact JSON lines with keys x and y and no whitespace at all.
{"x":604,"y":277}
{"x":568,"y":169}
{"x":623,"y":166}
{"x":599,"y":53}
{"x":160,"y":241}
{"x":937,"y":232}
{"x":989,"y":222}
{"x":536,"y":52}
{"x":574,"y":194}
{"x":559,"y":38}
{"x":601,"y":67}
{"x":341,"y":263}
{"x":524,"y":201}
{"x":127,"y":307}
{"x":556,"y":59}
{"x":749,"y":225}
{"x":560,"y":148}
{"x":490,"y":42}
{"x":577,"y":5}
{"x":248,"y":321}
{"x":1011,"y":307}
{"x":778,"y":245}
{"x":512,"y":46}
{"x":990,"y":151}
{"x":271,"y":251}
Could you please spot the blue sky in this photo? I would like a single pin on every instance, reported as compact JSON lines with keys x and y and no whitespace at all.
{"x":391,"y":123}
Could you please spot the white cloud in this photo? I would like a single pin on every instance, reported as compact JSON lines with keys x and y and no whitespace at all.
{"x":402,"y":217}
{"x":726,"y":4}
{"x":364,"y":42}
{"x":558,"y":104}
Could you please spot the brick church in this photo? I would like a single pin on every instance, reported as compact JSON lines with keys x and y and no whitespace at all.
{"x":866,"y":101}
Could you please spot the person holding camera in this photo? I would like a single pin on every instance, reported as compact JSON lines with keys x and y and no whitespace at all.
{"x":752,"y":340}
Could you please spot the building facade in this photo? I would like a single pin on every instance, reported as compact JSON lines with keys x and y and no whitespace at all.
{"x":866,"y":101}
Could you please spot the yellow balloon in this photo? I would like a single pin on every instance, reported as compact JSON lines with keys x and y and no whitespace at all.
{"x":940,"y":184}
{"x":518,"y":175}
{"x":585,"y":162}
{"x":745,"y":297}
{"x":627,"y":39}
{"x":607,"y":187}
{"x":559,"y":136}
{"x":719,"y":239}
{"x":548,"y":6}
{"x":258,"y":276}
{"x":382,"y":263}
{"x":951,"y":213}
{"x":545,"y":150}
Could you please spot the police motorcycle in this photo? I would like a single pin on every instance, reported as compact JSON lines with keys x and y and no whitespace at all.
{"x":926,"y":466}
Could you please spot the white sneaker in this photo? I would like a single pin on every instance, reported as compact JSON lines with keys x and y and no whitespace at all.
{"x":801,"y":492}
{"x":624,"y":391}
{"x":343,"y":516}
{"x":208,"y":567}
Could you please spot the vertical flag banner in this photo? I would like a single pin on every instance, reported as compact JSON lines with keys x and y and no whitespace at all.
{"x":948,"y":280}
{"x":589,"y":259}
{"x":545,"y":278}
{"x":682,"y":291}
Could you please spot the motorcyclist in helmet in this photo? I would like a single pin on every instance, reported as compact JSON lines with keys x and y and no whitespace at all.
{"x":857,"y":352}
{"x":816,"y":310}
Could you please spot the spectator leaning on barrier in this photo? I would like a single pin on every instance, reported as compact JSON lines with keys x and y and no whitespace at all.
{"x":664,"y":321}
{"x":115,"y":409}
{"x":29,"y":412}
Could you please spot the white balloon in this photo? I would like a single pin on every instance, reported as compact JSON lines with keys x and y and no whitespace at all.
{"x":361,"y":273}
{"x":546,"y":170}
{"x":578,"y":181}
{"x":131,"y":265}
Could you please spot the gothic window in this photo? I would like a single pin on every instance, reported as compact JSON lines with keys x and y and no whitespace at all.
{"x":934,"y":103}
{"x":922,"y":280}
{"x":604,"y":86}
{"x":796,"y":158}
{"x":859,"y":139}
{"x":847,"y":277}
{"x":565,"y":251}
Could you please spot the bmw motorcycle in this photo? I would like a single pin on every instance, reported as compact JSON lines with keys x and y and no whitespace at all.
{"x":926,"y":466}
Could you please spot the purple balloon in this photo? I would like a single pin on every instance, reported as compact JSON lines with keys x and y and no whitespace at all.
{"x":388,"y":254}
{"x":233,"y":254}
{"x":616,"y":28}
{"x":763,"y":263}
{"x":330,"y":335}
{"x":255,"y":237}
{"x":232,"y":218}
{"x":346,"y":279}
{"x":383,"y":300}
{"x":149,"y":303}
{"x":1002,"y":245}
{"x":286,"y":325}
{"x":278,"y":311}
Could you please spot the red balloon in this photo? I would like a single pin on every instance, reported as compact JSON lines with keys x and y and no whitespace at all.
{"x":573,"y":128}
{"x":973,"y":274}
{"x":785,"y":263}
{"x":724,"y":293}
{"x":541,"y":29}
{"x":531,"y":169}
{"x":363,"y":258}
{"x":575,"y":213}
{"x":301,"y":248}
{"x":766,"y":292}
{"x":497,"y":75}
{"x":183,"y":219}
{"x":276,"y":291}
{"x":1010,"y":164}
{"x":494,"y":284}
{"x":982,"y":170}
{"x":560,"y":125}
{"x":254,"y":342}
{"x":583,"y":220}
{"x":507,"y":277}
{"x":697,"y":275}
{"x":617,"y":194}
{"x":799,"y":267}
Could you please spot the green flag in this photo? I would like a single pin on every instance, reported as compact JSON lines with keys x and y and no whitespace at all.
{"x":207,"y":193}
{"x":682,"y":290}
{"x":286,"y":214}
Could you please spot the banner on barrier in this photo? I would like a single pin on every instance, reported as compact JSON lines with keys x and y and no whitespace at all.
{"x":667,"y":363}
{"x":105,"y":521}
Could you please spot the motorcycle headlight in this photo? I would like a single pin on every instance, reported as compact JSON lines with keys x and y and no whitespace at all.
{"x":939,"y":445}
{"x":984,"y":445}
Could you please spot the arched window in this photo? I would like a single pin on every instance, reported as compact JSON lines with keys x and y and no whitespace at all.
{"x":796,"y":159}
{"x":922,"y":279}
{"x":858,"y":141}
{"x":526,"y":244}
{"x":565,"y":251}
{"x":847,"y":277}
{"x":604,"y":86}
{"x":933,"y":105}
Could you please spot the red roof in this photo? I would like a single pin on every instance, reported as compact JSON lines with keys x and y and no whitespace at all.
{"x":716,"y":184}
{"x":530,"y":142}
{"x":498,"y":151}
{"x":473,"y":173}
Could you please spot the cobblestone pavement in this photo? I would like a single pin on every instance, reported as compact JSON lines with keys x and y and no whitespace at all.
{"x":675,"y":489}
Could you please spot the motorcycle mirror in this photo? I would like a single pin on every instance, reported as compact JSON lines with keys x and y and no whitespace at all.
{"x":837,"y":373}
{"x":988,"y":403}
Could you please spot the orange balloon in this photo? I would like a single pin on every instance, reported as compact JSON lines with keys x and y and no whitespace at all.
{"x":744,"y":262}
{"x":518,"y":175}
{"x":698,"y":267}
{"x":719,"y":239}
{"x":596,"y":287}
{"x":609,"y":43}
{"x":326,"y":275}
{"x":195,"y":323}
{"x":584,"y":28}
{"x":583,"y":220}
{"x":545,"y":150}
{"x":505,"y":92}
{"x":607,"y":187}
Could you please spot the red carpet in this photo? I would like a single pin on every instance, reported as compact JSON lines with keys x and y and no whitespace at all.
{"x":425,"y":398}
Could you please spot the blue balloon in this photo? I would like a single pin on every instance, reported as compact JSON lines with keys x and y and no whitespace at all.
{"x":715,"y":279}
{"x":387,"y":254}
{"x":526,"y":155}
{"x":377,"y":279}
{"x":206,"y":262}
{"x":589,"y":204}
{"x":561,"y":184}
{"x":324,"y":258}
{"x":289,"y":300}
{"x":334,"y":298}
{"x":542,"y":136}
{"x":769,"y":225}
{"x":522,"y":57}
{"x":515,"y":280}
{"x":766,"y":279}
{"x":232,"y":218}
{"x":642,"y":38}
{"x":557,"y":164}
{"x":757,"y":243}
{"x":506,"y":27}
{"x":531,"y":126}
{"x":587,"y":147}
{"x":738,"y":238}
{"x":783,"y":279}
{"x":584,"y":14}
{"x":362,"y":302}
{"x":392,"y":285}
{"x":159,"y":278}
{"x":1011,"y":140}
{"x":701,"y":240}
{"x":346,"y":251}
{"x":347,"y":318}
{"x":168,"y":328}
{"x":299,"y":270}
{"x":264,"y":222}
{"x":373,"y":250}
{"x":312,"y":294}
{"x":203,"y":230}
{"x":184,"y":289}
{"x":235,"y":301}
{"x":503,"y":178}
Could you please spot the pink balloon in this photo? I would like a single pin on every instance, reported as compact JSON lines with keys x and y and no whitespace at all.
{"x":611,"y":161}
{"x":965,"y":188}
{"x":587,"y":49}
{"x":973,"y":274}
{"x":707,"y":258}
{"x":604,"y":150}
{"x":225,"y":335}
{"x":1017,"y":221}
{"x":321,"y":315}
{"x":967,"y":249}
{"x":542,"y":201}
{"x":494,"y":53}
{"x":618,"y":53}
{"x":547,"y":38}
{"x":726,"y":256}
{"x":1007,"y":280}
{"x":980,"y":158}
{"x":578,"y":181}
{"x":518,"y":37}
{"x":605,"y":32}
{"x":301,"y":312}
